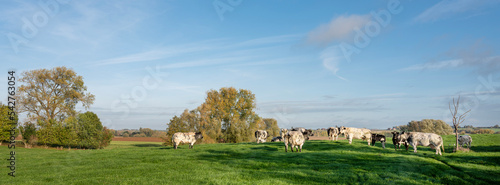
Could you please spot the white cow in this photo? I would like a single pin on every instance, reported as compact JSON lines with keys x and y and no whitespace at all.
{"x":295,"y":139}
{"x":356,"y":133}
{"x":261,"y":136}
{"x":464,"y":139}
{"x":426,"y":139}
{"x":186,"y":137}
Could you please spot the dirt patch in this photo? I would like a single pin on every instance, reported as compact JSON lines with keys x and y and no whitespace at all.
{"x":322,"y":138}
{"x":139,"y":139}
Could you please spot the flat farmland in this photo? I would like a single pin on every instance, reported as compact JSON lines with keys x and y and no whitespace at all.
{"x":321,"y":162}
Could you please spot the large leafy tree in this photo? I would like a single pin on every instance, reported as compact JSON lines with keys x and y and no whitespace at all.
{"x":226,"y":115}
{"x":6,"y":124}
{"x":52,"y":94}
{"x":233,"y":108}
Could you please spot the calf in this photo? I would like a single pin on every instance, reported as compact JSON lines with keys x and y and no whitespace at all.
{"x":356,"y":133}
{"x":277,"y":139}
{"x":426,"y":139}
{"x":186,"y":137}
{"x":399,"y":138}
{"x":261,"y":136}
{"x":378,"y":137}
{"x":295,"y":139}
{"x":333,"y":133}
{"x":464,"y":139}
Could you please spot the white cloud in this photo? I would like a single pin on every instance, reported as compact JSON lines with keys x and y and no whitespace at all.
{"x":338,"y":29}
{"x":482,"y":65}
{"x":448,"y":8}
{"x":331,"y":58}
{"x":436,"y":65}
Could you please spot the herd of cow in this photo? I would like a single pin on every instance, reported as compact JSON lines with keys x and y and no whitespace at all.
{"x":296,"y":137}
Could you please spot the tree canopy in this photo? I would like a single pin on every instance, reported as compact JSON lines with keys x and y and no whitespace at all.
{"x":48,"y":94}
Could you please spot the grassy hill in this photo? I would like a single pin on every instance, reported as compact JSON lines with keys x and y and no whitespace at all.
{"x":250,"y":163}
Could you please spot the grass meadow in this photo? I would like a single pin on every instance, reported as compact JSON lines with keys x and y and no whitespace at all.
{"x":321,"y":162}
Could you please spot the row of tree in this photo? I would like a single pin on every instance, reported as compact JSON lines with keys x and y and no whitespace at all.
{"x":142,"y":132}
{"x":227,"y":115}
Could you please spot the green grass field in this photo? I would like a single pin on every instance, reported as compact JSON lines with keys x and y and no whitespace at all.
{"x":320,"y":162}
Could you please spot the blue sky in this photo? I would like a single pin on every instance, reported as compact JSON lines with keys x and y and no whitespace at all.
{"x":316,"y":64}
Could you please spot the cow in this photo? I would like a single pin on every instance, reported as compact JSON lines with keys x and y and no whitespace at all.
{"x":295,"y":139}
{"x":333,"y":133}
{"x":186,"y":137}
{"x":277,"y":139}
{"x":305,"y":132}
{"x":464,"y":139}
{"x":399,"y":138}
{"x":261,"y":136}
{"x":356,"y":133}
{"x":426,"y":139}
{"x":378,"y":137}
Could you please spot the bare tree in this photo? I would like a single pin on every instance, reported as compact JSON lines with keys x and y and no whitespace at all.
{"x":457,"y":118}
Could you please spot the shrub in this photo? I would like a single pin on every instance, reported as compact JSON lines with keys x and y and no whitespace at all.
{"x":125,"y":135}
{"x":430,"y":126}
{"x":498,"y":132}
{"x":483,"y":131}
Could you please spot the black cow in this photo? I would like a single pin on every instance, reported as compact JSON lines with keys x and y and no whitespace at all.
{"x":399,"y":138}
{"x":378,"y":137}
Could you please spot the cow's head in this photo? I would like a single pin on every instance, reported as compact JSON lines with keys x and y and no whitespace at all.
{"x":342,"y":129}
{"x":309,"y":132}
{"x":198,"y":135}
{"x":283,"y":132}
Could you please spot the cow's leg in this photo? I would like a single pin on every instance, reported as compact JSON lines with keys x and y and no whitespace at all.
{"x":301,"y":147}
{"x":350,"y":138}
{"x":383,"y":144}
{"x":414,"y":148}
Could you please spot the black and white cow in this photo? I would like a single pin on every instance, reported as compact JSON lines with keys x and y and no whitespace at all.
{"x":186,"y":137}
{"x":333,"y":133}
{"x":261,"y":136}
{"x":378,"y":137}
{"x":399,"y":139}
{"x":305,"y":132}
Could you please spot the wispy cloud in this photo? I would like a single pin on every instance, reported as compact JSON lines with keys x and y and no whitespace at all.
{"x":449,"y":8}
{"x":338,"y":29}
{"x":331,"y":58}
{"x":476,"y":56}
